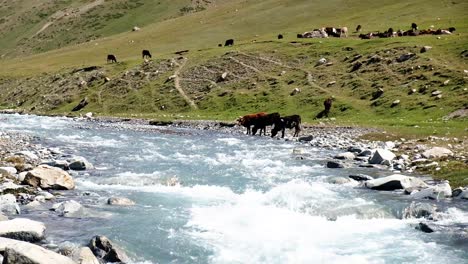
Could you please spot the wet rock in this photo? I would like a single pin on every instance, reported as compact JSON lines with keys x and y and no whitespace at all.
{"x":382,"y":155}
{"x":105,"y":249}
{"x":48,"y":177}
{"x":80,"y":163}
{"x":334,"y":165}
{"x":69,"y":209}
{"x":365,"y":153}
{"x":437,"y":152}
{"x":395,"y":182}
{"x":439,"y":191}
{"x":19,"y":252}
{"x":420,"y":210}
{"x":345,"y":156}
{"x":306,"y":138}
{"x":425,"y":228}
{"x":339,"y":180}
{"x":62,"y":164}
{"x":22,"y":229}
{"x":361,"y":177}
{"x":457,"y":191}
{"x":8,"y":204}
{"x":120,"y":201}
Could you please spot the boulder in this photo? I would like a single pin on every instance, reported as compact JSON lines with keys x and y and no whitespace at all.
{"x":345,"y":156}
{"x":7,"y":172}
{"x":365,"y":153}
{"x":425,"y":49}
{"x":439,"y":191}
{"x":381,"y":156}
{"x":8,"y":204}
{"x":425,"y":228}
{"x":85,"y":256}
{"x":48,"y":177}
{"x":19,"y":252}
{"x":69,"y":209}
{"x":361,"y":177}
{"x":120,"y":201}
{"x":22,"y":229}
{"x":396,"y":182}
{"x":80,"y":163}
{"x":62,"y":164}
{"x":419,"y":210}
{"x":334,"y":165}
{"x":105,"y":249}
{"x":437,"y":152}
{"x":339,"y":180}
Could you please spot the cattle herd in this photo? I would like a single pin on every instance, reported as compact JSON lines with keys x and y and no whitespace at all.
{"x":414,"y":31}
{"x":260,"y":121}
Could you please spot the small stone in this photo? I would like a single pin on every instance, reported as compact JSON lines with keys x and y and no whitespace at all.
{"x":120,"y":201}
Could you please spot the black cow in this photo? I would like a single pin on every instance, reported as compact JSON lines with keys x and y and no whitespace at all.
{"x":264,"y":121}
{"x":300,"y":36}
{"x":280,"y":36}
{"x":414,"y":26}
{"x":111,"y":58}
{"x":451,"y":29}
{"x":358,"y":28}
{"x":146,"y":53}
{"x":290,"y":122}
{"x":229,"y":42}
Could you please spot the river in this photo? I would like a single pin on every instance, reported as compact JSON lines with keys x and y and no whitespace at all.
{"x":240,"y":199}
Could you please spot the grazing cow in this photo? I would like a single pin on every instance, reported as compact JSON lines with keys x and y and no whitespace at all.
{"x":451,"y":29}
{"x":414,"y":26}
{"x":146,"y":53}
{"x":343,"y":31}
{"x":299,"y":36}
{"x":366,"y":36}
{"x":280,"y":36}
{"x":327,"y":105}
{"x":111,"y":58}
{"x":229,"y":42}
{"x":220,"y":45}
{"x":331,"y":31}
{"x":264,"y":121}
{"x":250,"y":120}
{"x":358,"y":28}
{"x":290,"y":122}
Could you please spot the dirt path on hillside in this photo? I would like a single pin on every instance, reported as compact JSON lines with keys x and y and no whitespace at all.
{"x":61,"y":14}
{"x":179,"y":87}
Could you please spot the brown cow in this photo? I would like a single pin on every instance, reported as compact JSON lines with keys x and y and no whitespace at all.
{"x":264,"y":121}
{"x":250,"y":120}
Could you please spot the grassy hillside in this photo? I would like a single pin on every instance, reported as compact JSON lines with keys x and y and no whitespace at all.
{"x":261,"y":70}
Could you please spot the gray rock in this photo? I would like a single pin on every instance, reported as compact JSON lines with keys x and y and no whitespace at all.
{"x":365,"y":153}
{"x":334,"y":165}
{"x":382,"y":155}
{"x":437,"y":152}
{"x":22,"y":229}
{"x":8,"y":204}
{"x":306,"y":138}
{"x":120,"y":201}
{"x":339,"y":180}
{"x":361,"y":177}
{"x":10,"y":187}
{"x":47,"y":195}
{"x":420,"y":210}
{"x":85,"y":256}
{"x":105,"y":249}
{"x":69,"y":209}
{"x":439,"y":191}
{"x":48,"y":177}
{"x":80,"y":163}
{"x":345,"y":156}
{"x":19,"y":252}
{"x":457,"y":191}
{"x":395,"y":182}
{"x":62,"y":164}
{"x":29,"y":156}
{"x":7,"y":172}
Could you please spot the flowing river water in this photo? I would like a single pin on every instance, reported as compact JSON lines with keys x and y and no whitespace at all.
{"x":241,"y":200}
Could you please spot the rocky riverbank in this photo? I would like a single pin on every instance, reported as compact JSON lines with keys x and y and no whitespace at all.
{"x":35,"y":176}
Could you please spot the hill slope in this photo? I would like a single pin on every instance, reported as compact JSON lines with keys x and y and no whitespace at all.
{"x":261,"y":70}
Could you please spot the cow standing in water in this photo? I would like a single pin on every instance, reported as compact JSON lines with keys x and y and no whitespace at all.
{"x":146,"y":53}
{"x":327,"y":104}
{"x":290,"y":122}
{"x":111,"y":58}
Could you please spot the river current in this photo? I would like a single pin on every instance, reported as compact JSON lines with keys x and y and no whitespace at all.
{"x":240,"y":199}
